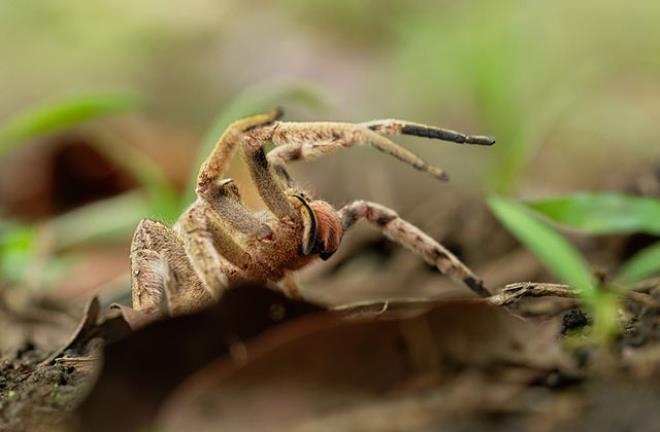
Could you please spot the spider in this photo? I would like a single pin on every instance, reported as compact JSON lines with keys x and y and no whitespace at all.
{"x":217,"y":241}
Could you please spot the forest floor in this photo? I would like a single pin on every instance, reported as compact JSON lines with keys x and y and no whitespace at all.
{"x":259,"y":361}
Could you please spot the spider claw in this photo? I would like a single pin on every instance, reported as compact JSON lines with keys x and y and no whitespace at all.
{"x":278,"y":113}
{"x":480,"y":140}
{"x":436,"y":172}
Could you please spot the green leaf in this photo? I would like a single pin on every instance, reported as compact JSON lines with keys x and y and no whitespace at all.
{"x":550,"y":247}
{"x":21,"y":261}
{"x":61,"y":115}
{"x":101,"y":221}
{"x":256,"y":99}
{"x":606,"y":213}
{"x":16,"y":250}
{"x":645,"y":263}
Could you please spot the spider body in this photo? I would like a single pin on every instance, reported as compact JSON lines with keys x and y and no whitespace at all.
{"x":217,"y":241}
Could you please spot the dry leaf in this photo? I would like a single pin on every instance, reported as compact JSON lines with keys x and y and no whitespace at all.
{"x":321,"y":366}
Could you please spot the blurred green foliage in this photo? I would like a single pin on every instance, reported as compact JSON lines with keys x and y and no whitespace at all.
{"x":17,"y":246}
{"x":551,"y":248}
{"x":523,"y":67}
{"x":644,"y":264}
{"x":62,"y":114}
{"x":22,"y":258}
{"x":610,"y":213}
{"x":563,"y":260}
{"x":594,"y":214}
{"x":603,"y":213}
{"x":536,"y":75}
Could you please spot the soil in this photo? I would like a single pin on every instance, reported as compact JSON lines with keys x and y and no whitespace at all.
{"x":35,"y":396}
{"x":481,"y":379}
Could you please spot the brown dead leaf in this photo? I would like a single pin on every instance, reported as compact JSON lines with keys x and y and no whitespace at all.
{"x":88,"y":321}
{"x":324,"y":365}
{"x":140,"y":370}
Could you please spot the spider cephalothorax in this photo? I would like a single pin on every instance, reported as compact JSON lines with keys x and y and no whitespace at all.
{"x":217,"y":241}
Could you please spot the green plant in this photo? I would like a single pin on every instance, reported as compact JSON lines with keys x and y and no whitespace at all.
{"x":562,"y":259}
{"x":62,"y":114}
{"x":592,"y":213}
{"x":610,"y":213}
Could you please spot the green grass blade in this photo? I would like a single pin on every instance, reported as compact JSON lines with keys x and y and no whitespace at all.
{"x":108,"y":220}
{"x":16,"y":250}
{"x":550,"y":247}
{"x":259,"y":98}
{"x":606,"y":213}
{"x":105,"y":220}
{"x":162,"y":194}
{"x":61,"y":115}
{"x":645,"y":263}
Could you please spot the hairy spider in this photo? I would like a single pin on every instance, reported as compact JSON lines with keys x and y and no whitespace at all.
{"x":217,"y":241}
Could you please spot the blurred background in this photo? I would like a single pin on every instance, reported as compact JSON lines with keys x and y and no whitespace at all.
{"x":108,"y":107}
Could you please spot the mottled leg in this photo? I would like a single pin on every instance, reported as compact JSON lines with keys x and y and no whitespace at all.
{"x":224,"y":198}
{"x":247,"y":133}
{"x":271,"y":188}
{"x":308,"y":141}
{"x":392,"y":127}
{"x":413,"y":239}
{"x":160,"y":268}
{"x":215,"y":166}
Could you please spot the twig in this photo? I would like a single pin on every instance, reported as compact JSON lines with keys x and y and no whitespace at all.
{"x":646,"y":285}
{"x":513,"y":292}
{"x":508,"y":296}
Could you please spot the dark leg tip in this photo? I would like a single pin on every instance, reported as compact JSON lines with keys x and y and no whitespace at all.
{"x":480,"y":140}
{"x":428,"y":132}
{"x":476,"y":286}
{"x":278,"y":113}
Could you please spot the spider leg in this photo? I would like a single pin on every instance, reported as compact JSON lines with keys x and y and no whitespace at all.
{"x":290,"y":286}
{"x":159,"y":266}
{"x":308,"y":141}
{"x":392,"y":127}
{"x":224,"y":198}
{"x":248,"y":133}
{"x":211,"y":249}
{"x":413,"y":239}
{"x":215,"y":166}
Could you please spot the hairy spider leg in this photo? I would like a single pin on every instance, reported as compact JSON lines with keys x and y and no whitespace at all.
{"x":205,"y":227}
{"x":160,"y":267}
{"x":210,"y":247}
{"x":412,"y":238}
{"x":245,"y":133}
{"x":311,"y":140}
